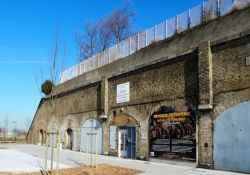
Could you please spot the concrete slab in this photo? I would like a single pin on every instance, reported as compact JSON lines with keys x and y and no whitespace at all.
{"x":18,"y":162}
{"x":73,"y":158}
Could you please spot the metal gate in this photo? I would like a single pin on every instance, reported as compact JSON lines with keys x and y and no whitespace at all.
{"x":232,"y":140}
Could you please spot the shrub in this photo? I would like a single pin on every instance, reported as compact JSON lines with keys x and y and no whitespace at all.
{"x":46,"y":87}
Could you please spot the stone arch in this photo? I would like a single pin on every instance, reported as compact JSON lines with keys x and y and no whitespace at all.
{"x":123,"y":120}
{"x":230,"y":99}
{"x":87,"y":116}
{"x":41,"y":130}
{"x":66,"y":124}
{"x":69,"y":139}
{"x":53,"y":125}
{"x":129,"y":111}
{"x":174,"y":103}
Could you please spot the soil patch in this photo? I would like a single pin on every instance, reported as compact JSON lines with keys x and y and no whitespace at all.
{"x":101,"y":169}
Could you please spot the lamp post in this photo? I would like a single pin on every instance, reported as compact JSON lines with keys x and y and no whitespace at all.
{"x":15,"y":130}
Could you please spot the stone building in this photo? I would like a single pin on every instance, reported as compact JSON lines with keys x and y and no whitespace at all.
{"x":184,"y":98}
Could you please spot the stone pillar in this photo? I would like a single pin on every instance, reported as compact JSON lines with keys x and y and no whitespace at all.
{"x":105,"y":139}
{"x":105,"y":109}
{"x":142,"y":140}
{"x":104,"y":95}
{"x":79,"y":135}
{"x":205,"y":141}
{"x":205,"y":131}
{"x":205,"y":77}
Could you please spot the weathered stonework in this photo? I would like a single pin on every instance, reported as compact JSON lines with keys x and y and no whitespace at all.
{"x":204,"y":66}
{"x":205,"y":76}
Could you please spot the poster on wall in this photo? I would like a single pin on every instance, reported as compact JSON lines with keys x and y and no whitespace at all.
{"x":172,"y":135}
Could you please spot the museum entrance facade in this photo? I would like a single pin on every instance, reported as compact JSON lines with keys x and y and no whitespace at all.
{"x":123,"y":136}
{"x":172,"y":134}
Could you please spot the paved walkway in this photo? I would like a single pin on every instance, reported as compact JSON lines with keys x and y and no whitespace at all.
{"x":72,"y":158}
{"x":18,"y":162}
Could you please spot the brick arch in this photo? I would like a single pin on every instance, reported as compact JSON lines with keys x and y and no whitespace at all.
{"x":66,"y":122}
{"x":124,"y":119}
{"x":88,"y":116}
{"x":230,"y":99}
{"x":41,"y":125}
{"x":173,"y":104}
{"x":129,"y":111}
{"x":53,"y":122}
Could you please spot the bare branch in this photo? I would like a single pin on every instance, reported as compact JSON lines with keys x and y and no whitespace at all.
{"x":120,"y":21}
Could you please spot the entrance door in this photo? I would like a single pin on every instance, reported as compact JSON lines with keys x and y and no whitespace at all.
{"x":127,"y":142}
{"x":88,"y":142}
{"x":231,"y":139}
{"x":123,"y":142}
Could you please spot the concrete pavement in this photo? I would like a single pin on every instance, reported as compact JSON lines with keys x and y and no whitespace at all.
{"x":72,"y":158}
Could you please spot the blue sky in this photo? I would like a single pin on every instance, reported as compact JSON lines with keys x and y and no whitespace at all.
{"x":27,"y":34}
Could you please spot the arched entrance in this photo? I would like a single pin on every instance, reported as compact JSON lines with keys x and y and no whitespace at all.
{"x":69,"y":138}
{"x":42,"y":137}
{"x":125,"y":125}
{"x":69,"y":134}
{"x":172,"y":134}
{"x":91,"y":132}
{"x":232,"y":140}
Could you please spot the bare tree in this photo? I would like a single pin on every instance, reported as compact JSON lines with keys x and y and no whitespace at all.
{"x":98,"y":36}
{"x":27,"y":124}
{"x":51,"y":74}
{"x":120,"y":21}
{"x":105,"y":34}
{"x":87,"y":42}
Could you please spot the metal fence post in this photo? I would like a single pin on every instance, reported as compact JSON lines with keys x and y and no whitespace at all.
{"x":108,"y":55}
{"x":176,"y":24}
{"x":116,"y":54}
{"x":203,"y":12}
{"x":138,"y":41}
{"x":218,"y":7}
{"x":189,"y":19}
{"x":130,"y":47}
{"x":155,"y":28}
{"x":97,"y":61}
{"x":166,"y":28}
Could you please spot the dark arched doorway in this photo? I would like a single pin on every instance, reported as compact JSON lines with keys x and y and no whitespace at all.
{"x":42,"y":136}
{"x":69,"y":138}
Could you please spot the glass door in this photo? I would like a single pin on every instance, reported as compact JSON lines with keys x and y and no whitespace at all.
{"x":123,"y":143}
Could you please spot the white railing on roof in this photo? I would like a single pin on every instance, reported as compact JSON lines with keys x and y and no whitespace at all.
{"x":206,"y":11}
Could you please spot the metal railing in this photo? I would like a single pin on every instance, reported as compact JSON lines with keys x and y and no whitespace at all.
{"x":195,"y":16}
